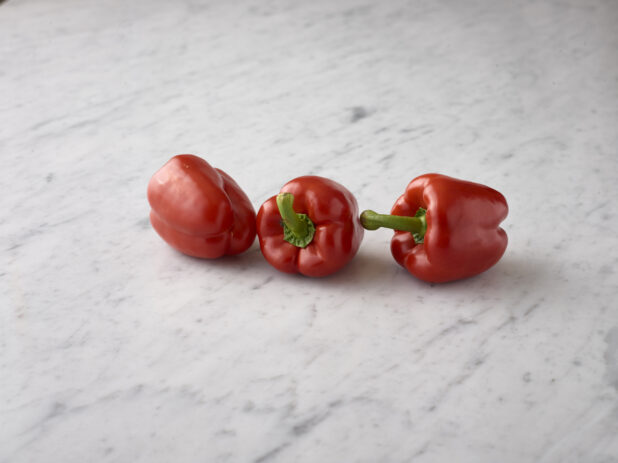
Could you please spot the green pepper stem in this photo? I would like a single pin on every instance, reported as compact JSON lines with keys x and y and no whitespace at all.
{"x":298,"y":229}
{"x":285,"y":202}
{"x":372,"y":221}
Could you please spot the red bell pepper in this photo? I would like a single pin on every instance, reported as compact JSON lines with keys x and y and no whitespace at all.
{"x":311,"y":227}
{"x":199,"y":210}
{"x":445,"y":229}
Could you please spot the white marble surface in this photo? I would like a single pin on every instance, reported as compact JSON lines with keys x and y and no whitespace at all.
{"x":115,"y":348}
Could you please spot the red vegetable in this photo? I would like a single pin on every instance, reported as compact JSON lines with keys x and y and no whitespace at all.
{"x":446,"y":229}
{"x":311,"y":227}
{"x":200,"y":210}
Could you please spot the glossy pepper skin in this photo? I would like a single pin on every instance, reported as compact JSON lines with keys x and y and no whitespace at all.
{"x":338,"y":232}
{"x":200,"y":210}
{"x":463,"y":237}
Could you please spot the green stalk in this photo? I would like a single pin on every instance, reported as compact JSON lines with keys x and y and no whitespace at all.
{"x":298,"y":229}
{"x":416,"y":225}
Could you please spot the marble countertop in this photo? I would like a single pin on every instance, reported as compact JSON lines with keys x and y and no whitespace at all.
{"x":116,"y":348}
